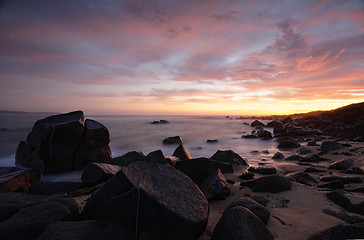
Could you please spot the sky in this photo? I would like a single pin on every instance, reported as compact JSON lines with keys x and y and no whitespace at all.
{"x":257,"y":57}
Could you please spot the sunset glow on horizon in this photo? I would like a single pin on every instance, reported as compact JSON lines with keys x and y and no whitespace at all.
{"x":181,"y":57}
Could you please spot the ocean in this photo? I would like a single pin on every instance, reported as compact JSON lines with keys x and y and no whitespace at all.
{"x":135,"y":133}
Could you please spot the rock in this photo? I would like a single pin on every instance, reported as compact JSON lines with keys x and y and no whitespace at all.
{"x":224,"y":167}
{"x":64,"y":142}
{"x":302,"y":175}
{"x":342,"y":164}
{"x":197,"y":169}
{"x":314,"y":170}
{"x":95,"y":145}
{"x":151,"y":200}
{"x":276,"y":123}
{"x":304,"y":151}
{"x":127,"y":158}
{"x":312,"y":143}
{"x":172,"y":160}
{"x":312,"y":157}
{"x":85,"y":230}
{"x":278,"y":155}
{"x":212,"y":141}
{"x":182,"y":153}
{"x":356,"y":189}
{"x":160,"y":122}
{"x":96,"y":173}
{"x":30,"y":222}
{"x":287,"y":120}
{"x":50,"y":188}
{"x":263,"y":170}
{"x":13,"y":202}
{"x":328,"y":146}
{"x":260,"y":199}
{"x":342,"y":199}
{"x":13,"y":179}
{"x":214,"y":186}
{"x":173,"y":140}
{"x":259,"y":210}
{"x":340,"y":232}
{"x":257,"y":123}
{"x":289,"y":143}
{"x":336,"y":184}
{"x":345,"y":178}
{"x":249,"y":136}
{"x":156,"y":157}
{"x":240,"y":223}
{"x":27,"y":157}
{"x":228,"y":156}
{"x":264,"y":134}
{"x":344,"y":216}
{"x":273,"y":184}
{"x":294,"y":158}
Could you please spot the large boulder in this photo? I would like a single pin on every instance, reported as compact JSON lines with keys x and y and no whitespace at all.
{"x":64,"y":142}
{"x":13,"y":179}
{"x":273,"y":184}
{"x":214,"y":186}
{"x":197,"y":168}
{"x":153,"y":201}
{"x":229,"y":156}
{"x":239,"y":223}
{"x":85,"y":230}
{"x":30,"y":222}
{"x":182,"y":153}
{"x":96,"y":173}
{"x":258,"y":209}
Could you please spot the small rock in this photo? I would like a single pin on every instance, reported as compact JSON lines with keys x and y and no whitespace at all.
{"x":278,"y":155}
{"x":173,"y":140}
{"x":290,"y":143}
{"x":314,"y":170}
{"x":263,"y":170}
{"x":342,"y":164}
{"x":294,"y":158}
{"x":336,"y":184}
{"x":273,"y":184}
{"x":212,"y":141}
{"x":304,"y":151}
{"x":328,"y":146}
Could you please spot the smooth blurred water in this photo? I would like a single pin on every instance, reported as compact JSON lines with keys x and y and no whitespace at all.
{"x":135,"y":133}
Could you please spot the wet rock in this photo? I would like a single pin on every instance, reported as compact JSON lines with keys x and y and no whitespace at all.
{"x":127,"y":158}
{"x":342,"y":164}
{"x":50,"y":188}
{"x":13,"y":202}
{"x":328,"y":146}
{"x":96,"y":173}
{"x":240,"y":223}
{"x":278,"y":155}
{"x":214,"y":186}
{"x":182,"y":153}
{"x":228,"y":156}
{"x":259,"y":210}
{"x":335,"y":184}
{"x":85,"y":230}
{"x":164,"y":202}
{"x":273,"y":184}
{"x":263,"y":170}
{"x":304,"y":151}
{"x":30,"y":222}
{"x":340,"y":232}
{"x":173,"y":140}
{"x":257,"y":123}
{"x":13,"y":179}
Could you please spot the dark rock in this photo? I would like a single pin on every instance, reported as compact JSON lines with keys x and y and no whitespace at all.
{"x":289,"y":143}
{"x":50,"y":188}
{"x":249,"y":136}
{"x":342,"y":164}
{"x":294,"y":158}
{"x":313,"y":157}
{"x":328,"y":146}
{"x":156,"y":157}
{"x":340,"y":232}
{"x":264,"y":134}
{"x":275,"y":123}
{"x":339,"y":198}
{"x":302,"y":175}
{"x":287,"y":120}
{"x":197,"y":169}
{"x":96,"y":173}
{"x":160,"y":122}
{"x":30,"y":222}
{"x":182,"y":153}
{"x":312,"y":143}
{"x":273,"y":184}
{"x":354,"y":170}
{"x":278,"y":155}
{"x":172,"y":160}
{"x":13,"y":179}
{"x":27,"y":157}
{"x":127,"y":158}
{"x":314,"y":170}
{"x":212,"y":141}
{"x":153,"y":200}
{"x":240,"y":223}
{"x":356,"y":189}
{"x":85,"y":230}
{"x":344,"y":216}
{"x":257,"y":123}
{"x":261,"y":200}
{"x":336,"y":184}
{"x":173,"y":140}
{"x":259,"y":210}
{"x":13,"y":202}
{"x":263,"y":170}
{"x":214,"y":186}
{"x":228,"y":156}
{"x":229,"y":181}
{"x":345,"y":178}
{"x":224,"y":167}
{"x":304,"y":151}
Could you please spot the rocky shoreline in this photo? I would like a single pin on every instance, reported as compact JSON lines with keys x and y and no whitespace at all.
{"x":316,"y":192}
